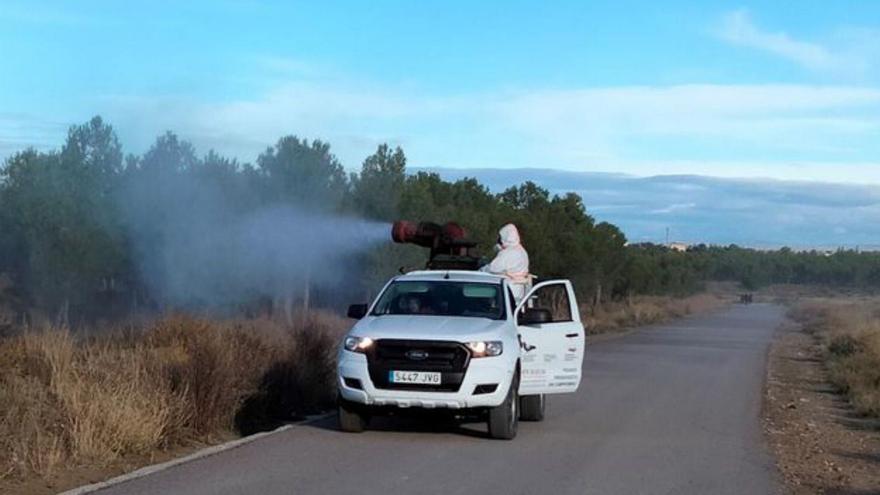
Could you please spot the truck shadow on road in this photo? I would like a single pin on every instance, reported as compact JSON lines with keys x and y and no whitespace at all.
{"x":414,"y":422}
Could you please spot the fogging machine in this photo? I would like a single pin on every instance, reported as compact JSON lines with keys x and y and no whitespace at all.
{"x":450,"y":248}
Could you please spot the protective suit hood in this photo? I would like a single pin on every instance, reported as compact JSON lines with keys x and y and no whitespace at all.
{"x":512,"y":261}
{"x":509,"y":236}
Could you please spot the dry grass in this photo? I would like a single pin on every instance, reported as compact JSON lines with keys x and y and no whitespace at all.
{"x":644,"y":310}
{"x":849,"y":330}
{"x":67,"y":401}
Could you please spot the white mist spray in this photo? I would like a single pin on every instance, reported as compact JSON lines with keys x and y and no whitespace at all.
{"x":198,"y":245}
{"x":278,"y":251}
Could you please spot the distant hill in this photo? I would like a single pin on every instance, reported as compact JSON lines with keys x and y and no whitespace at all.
{"x":761,"y":213}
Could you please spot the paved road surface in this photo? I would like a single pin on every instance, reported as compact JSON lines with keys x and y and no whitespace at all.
{"x":671,"y":409}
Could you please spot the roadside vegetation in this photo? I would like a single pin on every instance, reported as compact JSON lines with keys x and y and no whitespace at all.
{"x":849,"y":332}
{"x":618,"y":316}
{"x":71,"y":400}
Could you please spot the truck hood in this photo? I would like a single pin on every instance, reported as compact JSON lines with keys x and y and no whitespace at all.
{"x":430,"y":327}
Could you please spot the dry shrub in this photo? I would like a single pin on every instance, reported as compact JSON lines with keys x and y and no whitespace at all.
{"x":84,"y":403}
{"x":67,"y":401}
{"x":301,"y":380}
{"x":849,"y":330}
{"x":311,"y":367}
{"x":113,"y":404}
{"x":211,"y":368}
{"x":30,"y":428}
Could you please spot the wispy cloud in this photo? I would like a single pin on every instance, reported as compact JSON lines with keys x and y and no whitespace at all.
{"x":739,"y":28}
{"x":673,"y":208}
{"x":19,"y":131}
{"x":353,"y":118}
{"x":600,"y":124}
{"x":689,"y":108}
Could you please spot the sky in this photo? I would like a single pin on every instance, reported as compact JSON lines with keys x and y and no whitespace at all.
{"x":756,"y":90}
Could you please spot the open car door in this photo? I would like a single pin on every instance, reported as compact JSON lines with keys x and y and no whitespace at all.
{"x":552,"y":339}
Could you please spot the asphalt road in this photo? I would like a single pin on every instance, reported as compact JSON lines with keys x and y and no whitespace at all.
{"x":671,"y":409}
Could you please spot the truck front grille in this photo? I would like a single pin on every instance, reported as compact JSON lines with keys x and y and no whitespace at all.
{"x":449,"y":358}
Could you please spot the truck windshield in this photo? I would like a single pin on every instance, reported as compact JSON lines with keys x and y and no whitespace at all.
{"x":442,"y":298}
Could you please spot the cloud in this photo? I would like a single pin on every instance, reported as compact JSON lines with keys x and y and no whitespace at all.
{"x":19,"y":131}
{"x":578,"y":125}
{"x":672,"y":208}
{"x":353,"y":118}
{"x":699,"y":108}
{"x":776,"y":130}
{"x":600,"y":125}
{"x":738,"y":28}
{"x":759,"y":213}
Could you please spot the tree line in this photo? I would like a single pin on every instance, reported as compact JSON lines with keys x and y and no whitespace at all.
{"x":754,"y":269}
{"x":76,"y":223}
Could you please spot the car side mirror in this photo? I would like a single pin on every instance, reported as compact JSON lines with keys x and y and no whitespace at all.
{"x":535,"y":316}
{"x":357,"y":311}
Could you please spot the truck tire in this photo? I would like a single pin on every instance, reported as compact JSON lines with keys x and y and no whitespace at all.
{"x":351,"y":419}
{"x":504,"y":419}
{"x":531,"y":407}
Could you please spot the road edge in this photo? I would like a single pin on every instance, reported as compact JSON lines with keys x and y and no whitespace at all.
{"x":199,"y":454}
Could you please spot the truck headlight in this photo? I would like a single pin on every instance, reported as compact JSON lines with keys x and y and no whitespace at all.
{"x":357,"y":344}
{"x":486,"y":348}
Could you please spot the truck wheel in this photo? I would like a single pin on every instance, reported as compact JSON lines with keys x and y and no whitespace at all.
{"x":531,"y":407}
{"x":504,"y":419}
{"x":350,"y":418}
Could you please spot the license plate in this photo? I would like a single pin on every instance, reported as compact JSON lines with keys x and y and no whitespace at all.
{"x":416,"y":377}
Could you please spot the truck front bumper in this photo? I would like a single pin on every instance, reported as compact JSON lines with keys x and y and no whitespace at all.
{"x":353,"y":379}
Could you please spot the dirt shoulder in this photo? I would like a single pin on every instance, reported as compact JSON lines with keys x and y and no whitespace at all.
{"x":821,"y":444}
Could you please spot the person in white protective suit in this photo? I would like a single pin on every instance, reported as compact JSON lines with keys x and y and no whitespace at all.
{"x":512,"y":261}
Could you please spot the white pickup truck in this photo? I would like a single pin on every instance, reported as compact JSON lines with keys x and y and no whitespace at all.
{"x":459,"y":340}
